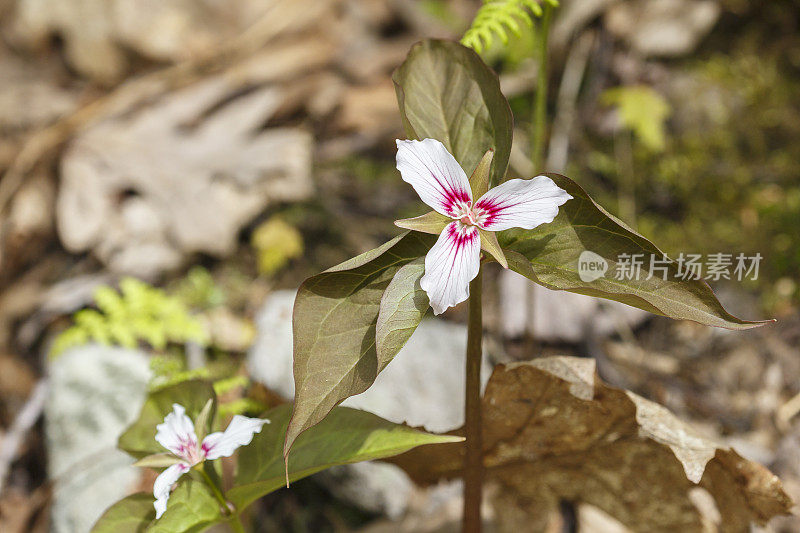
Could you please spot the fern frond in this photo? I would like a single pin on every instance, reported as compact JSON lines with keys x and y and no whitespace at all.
{"x":138,"y":313}
{"x":497,"y":18}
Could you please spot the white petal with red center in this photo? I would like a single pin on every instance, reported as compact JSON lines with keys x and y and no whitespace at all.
{"x":520,"y":204}
{"x":163,"y":486}
{"x":177,"y":434}
{"x":435,"y":174}
{"x":450,"y":265}
{"x":238,"y":433}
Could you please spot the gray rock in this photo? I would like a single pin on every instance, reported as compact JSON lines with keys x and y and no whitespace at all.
{"x":373,"y":486}
{"x":559,"y":315}
{"x":423,"y":386}
{"x":95,"y":393}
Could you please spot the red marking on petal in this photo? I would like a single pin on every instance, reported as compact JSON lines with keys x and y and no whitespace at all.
{"x":453,"y":198}
{"x":488,"y":210}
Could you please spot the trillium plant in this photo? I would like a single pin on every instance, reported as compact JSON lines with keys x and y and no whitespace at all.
{"x":350,"y":321}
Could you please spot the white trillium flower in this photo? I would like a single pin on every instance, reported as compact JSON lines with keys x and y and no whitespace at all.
{"x":441,"y":183}
{"x":177,"y":434}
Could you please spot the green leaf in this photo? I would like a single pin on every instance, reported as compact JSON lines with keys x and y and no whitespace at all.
{"x":158,"y":460}
{"x":345,"y":436}
{"x":480,"y":180}
{"x":403,"y":305}
{"x":431,"y":222}
{"x":204,"y":418}
{"x":129,"y":515}
{"x":490,"y":244}
{"x":139,"y":439}
{"x":446,"y":92}
{"x":335,"y":314}
{"x":643,"y":111}
{"x":192,"y":507}
{"x":549,"y":256}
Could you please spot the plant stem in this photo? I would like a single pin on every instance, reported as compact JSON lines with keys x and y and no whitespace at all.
{"x":626,"y":197}
{"x":473,"y":459}
{"x":236,"y":524}
{"x":539,"y":119}
{"x":234,"y":521}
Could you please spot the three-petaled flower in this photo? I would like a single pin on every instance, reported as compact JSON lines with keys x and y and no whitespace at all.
{"x":178,"y":435}
{"x":466,"y":225}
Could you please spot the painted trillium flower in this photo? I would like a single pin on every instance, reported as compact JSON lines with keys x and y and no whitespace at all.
{"x":180,"y":436}
{"x":464,"y":224}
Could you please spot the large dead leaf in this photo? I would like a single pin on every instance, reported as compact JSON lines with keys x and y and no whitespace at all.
{"x":182,"y":175}
{"x":553,"y":431}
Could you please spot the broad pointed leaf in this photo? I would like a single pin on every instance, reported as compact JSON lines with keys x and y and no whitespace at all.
{"x":191,"y":508}
{"x":129,"y":515}
{"x":550,"y":254}
{"x":345,"y":436}
{"x":446,"y":92}
{"x":139,"y":439}
{"x":403,"y":305}
{"x":335,"y":315}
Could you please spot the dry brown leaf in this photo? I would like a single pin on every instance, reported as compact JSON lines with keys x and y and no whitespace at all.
{"x":553,"y":431}
{"x":16,"y":379}
{"x":94,"y":31}
{"x":31,"y":94}
{"x":182,"y":175}
{"x":371,"y":109}
{"x":15,"y":512}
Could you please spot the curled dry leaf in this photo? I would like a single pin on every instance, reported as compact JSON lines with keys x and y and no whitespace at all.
{"x":553,"y":431}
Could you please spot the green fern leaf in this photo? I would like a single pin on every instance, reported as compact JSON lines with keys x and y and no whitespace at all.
{"x":497,"y":18}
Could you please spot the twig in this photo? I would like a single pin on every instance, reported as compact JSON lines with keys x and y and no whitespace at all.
{"x":539,"y":122}
{"x":786,"y":412}
{"x":24,"y":421}
{"x":566,"y":103}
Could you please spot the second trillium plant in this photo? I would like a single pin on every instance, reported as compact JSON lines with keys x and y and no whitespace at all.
{"x":466,"y":213}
